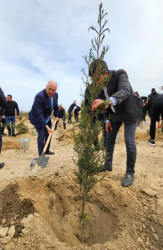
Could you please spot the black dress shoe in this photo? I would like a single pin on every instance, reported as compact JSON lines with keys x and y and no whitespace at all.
{"x":49,"y":153}
{"x":106,"y":168}
{"x":127,"y":180}
{"x":14,"y":135}
{"x":2,"y":165}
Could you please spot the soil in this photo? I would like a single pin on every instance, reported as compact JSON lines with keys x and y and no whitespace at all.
{"x":118,"y":217}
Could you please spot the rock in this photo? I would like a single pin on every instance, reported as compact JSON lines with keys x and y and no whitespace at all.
{"x":149,"y":192}
{"x":11,"y":231}
{"x":153,"y":217}
{"x":28,"y":219}
{"x":140,"y":240}
{"x":3,"y":232}
{"x":156,"y":236}
{"x":36,"y":214}
{"x":25,"y":231}
{"x":160,"y":202}
{"x":152,"y":229}
{"x":5,"y":240}
{"x":3,"y":221}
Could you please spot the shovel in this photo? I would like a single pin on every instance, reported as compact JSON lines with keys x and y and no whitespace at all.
{"x":38,"y":164}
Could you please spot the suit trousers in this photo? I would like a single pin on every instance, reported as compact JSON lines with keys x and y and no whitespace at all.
{"x":129,"y":133}
{"x":42,"y":138}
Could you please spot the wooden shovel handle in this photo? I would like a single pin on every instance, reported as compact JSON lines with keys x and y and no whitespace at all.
{"x":49,"y":137}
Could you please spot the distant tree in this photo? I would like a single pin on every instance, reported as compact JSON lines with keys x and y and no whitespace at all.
{"x":90,"y":158}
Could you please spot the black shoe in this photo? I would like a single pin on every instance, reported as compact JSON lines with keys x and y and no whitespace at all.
{"x":14,"y":135}
{"x":127,"y":180}
{"x":49,"y":153}
{"x":106,"y":168}
{"x":2,"y":165}
{"x":152,"y":143}
{"x":4,"y":134}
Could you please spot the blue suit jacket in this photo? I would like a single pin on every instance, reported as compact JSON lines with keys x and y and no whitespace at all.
{"x":41,"y":109}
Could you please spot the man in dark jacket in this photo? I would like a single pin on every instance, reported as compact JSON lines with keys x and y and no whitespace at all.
{"x":70,"y":110}
{"x":2,"y":105}
{"x":156,"y":112}
{"x":10,"y":108}
{"x":45,"y":102}
{"x":61,"y":115}
{"x":76,"y":113}
{"x":151,"y":99}
{"x":124,"y":108}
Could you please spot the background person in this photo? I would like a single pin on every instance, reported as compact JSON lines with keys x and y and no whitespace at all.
{"x":10,"y":108}
{"x":61,"y":115}
{"x":151,"y":99}
{"x":2,"y":105}
{"x":70,"y":110}
{"x":45,"y":102}
{"x":156,"y":112}
{"x":76,"y":113}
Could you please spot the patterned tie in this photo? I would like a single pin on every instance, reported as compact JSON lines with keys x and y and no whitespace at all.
{"x":51,"y":101}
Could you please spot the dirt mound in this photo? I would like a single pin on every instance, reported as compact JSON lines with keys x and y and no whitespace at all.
{"x":66,"y":137}
{"x":12,"y":208}
{"x":10,"y":145}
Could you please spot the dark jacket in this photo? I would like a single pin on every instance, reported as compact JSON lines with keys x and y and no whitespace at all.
{"x":72,"y":106}
{"x":157,"y":108}
{"x":41,"y":109}
{"x":61,"y":114}
{"x":2,"y":103}
{"x":10,"y":108}
{"x":151,"y":98}
{"x":76,"y":111}
{"x":128,"y":108}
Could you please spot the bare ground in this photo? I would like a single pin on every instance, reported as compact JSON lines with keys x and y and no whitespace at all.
{"x":121,"y":218}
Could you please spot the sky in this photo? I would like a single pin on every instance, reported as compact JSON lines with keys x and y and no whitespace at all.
{"x":44,"y":40}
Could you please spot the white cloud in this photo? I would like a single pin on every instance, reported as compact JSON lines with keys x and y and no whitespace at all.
{"x":46,"y":39}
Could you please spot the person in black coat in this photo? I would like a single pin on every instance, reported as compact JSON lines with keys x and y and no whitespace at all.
{"x":70,"y":110}
{"x":10,"y":108}
{"x":61,"y":115}
{"x":124,"y":108}
{"x":76,"y":113}
{"x":2,"y":105}
{"x":156,"y":112}
{"x":151,"y":99}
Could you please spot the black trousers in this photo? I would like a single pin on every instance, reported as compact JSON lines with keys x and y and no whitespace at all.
{"x":64,"y":124}
{"x":156,"y":111}
{"x":69,"y":117}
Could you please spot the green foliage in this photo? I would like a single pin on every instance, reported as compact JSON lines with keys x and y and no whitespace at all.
{"x":90,"y":157}
{"x":23,"y":115}
{"x":21,"y":127}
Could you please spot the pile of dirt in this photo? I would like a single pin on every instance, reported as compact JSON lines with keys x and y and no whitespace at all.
{"x":10,"y":145}
{"x":12,"y":208}
{"x":66,"y":137}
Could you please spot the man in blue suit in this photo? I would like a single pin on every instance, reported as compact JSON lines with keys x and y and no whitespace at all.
{"x":45,"y":102}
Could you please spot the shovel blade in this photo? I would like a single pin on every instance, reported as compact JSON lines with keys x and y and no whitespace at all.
{"x":38,"y":164}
